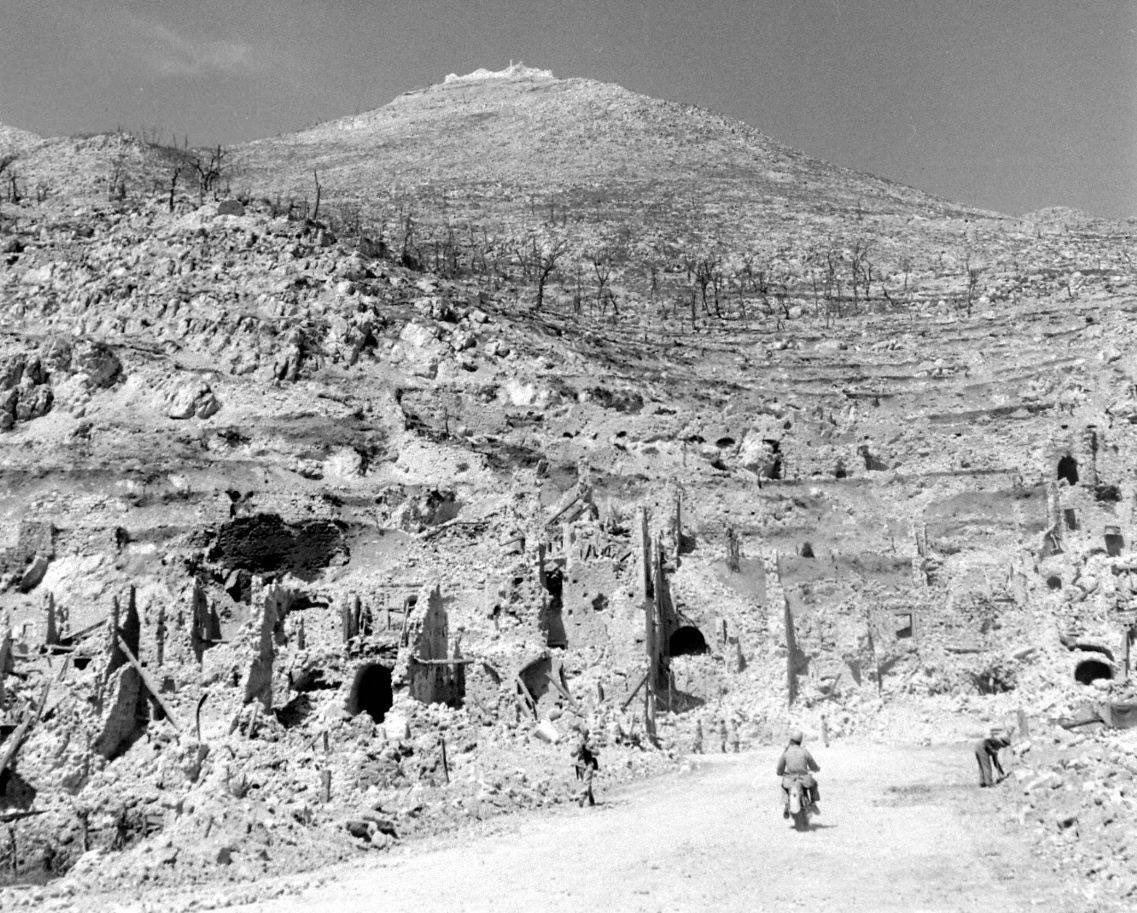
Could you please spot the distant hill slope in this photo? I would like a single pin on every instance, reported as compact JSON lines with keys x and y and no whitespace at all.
{"x":83,"y":166}
{"x":508,"y":144}
{"x":14,"y":141}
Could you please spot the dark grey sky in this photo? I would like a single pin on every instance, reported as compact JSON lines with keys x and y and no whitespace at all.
{"x":1008,"y":104}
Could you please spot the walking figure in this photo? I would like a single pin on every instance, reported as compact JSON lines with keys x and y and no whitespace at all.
{"x":584,"y":760}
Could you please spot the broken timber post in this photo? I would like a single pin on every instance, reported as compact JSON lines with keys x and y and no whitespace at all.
{"x":51,"y":637}
{"x":1126,"y":640}
{"x":733,"y":551}
{"x":160,"y":634}
{"x":678,"y":525}
{"x":645,"y":547}
{"x":347,"y":621}
{"x":6,"y":663}
{"x":326,"y":785}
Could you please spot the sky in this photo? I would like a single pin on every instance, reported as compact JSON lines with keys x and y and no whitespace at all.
{"x":1005,"y":104}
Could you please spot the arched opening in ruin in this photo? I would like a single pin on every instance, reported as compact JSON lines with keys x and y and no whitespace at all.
{"x":807,"y":550}
{"x":1092,"y":670}
{"x":1068,"y":469}
{"x":724,"y":442}
{"x":1054,"y":582}
{"x":686,"y":641}
{"x":370,"y":692}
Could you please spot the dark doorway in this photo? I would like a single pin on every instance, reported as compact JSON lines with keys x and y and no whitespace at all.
{"x":371,"y":692}
{"x":1092,"y":670}
{"x":774,"y":468}
{"x":807,"y":550}
{"x":1114,"y":541}
{"x":1068,"y":469}
{"x":555,"y":635}
{"x":686,"y":641}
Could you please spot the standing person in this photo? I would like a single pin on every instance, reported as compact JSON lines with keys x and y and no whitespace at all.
{"x":987,"y":755}
{"x":825,"y":730}
{"x":698,"y":746}
{"x":584,"y":760}
{"x":734,"y":741}
{"x":797,"y":763}
{"x":722,"y":734}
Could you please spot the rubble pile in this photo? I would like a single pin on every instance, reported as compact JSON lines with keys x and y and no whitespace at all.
{"x":1074,"y":791}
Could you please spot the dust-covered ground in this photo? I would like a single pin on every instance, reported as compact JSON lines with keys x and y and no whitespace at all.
{"x":902,"y":828}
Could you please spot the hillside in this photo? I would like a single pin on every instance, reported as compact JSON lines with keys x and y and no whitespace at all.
{"x":498,"y":146}
{"x":317,"y":535}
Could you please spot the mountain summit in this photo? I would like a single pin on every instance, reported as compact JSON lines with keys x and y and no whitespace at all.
{"x":505,"y":142}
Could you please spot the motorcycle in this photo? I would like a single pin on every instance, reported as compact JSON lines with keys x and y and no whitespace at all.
{"x":799,"y":805}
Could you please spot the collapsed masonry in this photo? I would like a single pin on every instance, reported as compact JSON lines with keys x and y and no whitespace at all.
{"x":602,"y":618}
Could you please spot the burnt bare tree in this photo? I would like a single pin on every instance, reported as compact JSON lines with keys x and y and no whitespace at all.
{"x":545,"y":253}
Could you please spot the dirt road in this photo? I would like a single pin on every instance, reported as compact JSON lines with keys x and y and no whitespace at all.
{"x":901,"y":830}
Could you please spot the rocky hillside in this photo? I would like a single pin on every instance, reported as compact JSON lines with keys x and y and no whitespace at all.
{"x":314,"y":539}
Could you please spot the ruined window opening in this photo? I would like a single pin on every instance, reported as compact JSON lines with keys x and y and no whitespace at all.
{"x":807,"y":550}
{"x":904,"y":626}
{"x":724,"y":442}
{"x":599,"y":602}
{"x":1071,"y":516}
{"x":555,"y":635}
{"x":686,"y":641}
{"x":1068,"y":469}
{"x":1114,"y":541}
{"x":371,"y":692}
{"x":1092,"y":670}
{"x":1054,"y":582}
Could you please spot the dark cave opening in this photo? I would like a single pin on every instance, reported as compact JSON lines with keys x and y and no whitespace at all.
{"x":686,"y":641}
{"x":1092,"y":670}
{"x":371,"y":692}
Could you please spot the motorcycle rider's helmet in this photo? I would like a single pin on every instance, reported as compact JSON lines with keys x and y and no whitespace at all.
{"x":796,"y":737}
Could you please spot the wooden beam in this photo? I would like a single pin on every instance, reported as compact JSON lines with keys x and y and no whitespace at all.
{"x":635,"y":691}
{"x":148,"y":682}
